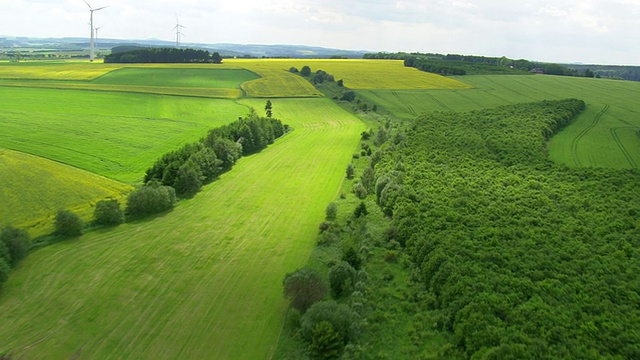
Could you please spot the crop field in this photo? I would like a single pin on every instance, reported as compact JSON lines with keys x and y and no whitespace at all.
{"x":117,"y":135}
{"x":54,"y":70}
{"x":178,"y":77}
{"x":601,"y":136}
{"x":203,"y":281}
{"x":34,"y":189}
{"x":356,"y":74}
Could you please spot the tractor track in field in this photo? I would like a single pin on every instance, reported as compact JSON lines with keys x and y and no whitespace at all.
{"x":625,"y":152}
{"x":412,"y":111}
{"x":439,"y":102}
{"x":576,"y":140}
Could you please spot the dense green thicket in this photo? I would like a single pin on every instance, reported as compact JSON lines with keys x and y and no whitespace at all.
{"x":193,"y":165}
{"x":520,"y":257}
{"x":163,"y":55}
{"x":454,"y":64}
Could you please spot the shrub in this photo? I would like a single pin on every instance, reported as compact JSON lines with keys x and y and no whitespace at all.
{"x":361,"y":210}
{"x":326,"y":342}
{"x":4,"y":271}
{"x":339,"y":316}
{"x":350,"y":171}
{"x":14,"y":245}
{"x":305,"y":71}
{"x":331,"y":211}
{"x":108,"y":212}
{"x":150,"y":199}
{"x":68,"y":223}
{"x":391,"y":255}
{"x":304,"y":287}
{"x":360,"y":191}
{"x":348,"y":95}
{"x":324,"y":226}
{"x":341,"y":279}
{"x":351,"y":256}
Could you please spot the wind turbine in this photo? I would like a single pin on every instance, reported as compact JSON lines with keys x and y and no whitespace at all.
{"x":92,"y":45}
{"x":178,"y":32}
{"x":96,"y":37}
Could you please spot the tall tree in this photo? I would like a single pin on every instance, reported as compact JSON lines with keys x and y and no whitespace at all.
{"x":268,"y":108}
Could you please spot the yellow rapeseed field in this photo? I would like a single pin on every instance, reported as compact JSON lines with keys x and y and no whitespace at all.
{"x":357,"y":74}
{"x":56,"y":71}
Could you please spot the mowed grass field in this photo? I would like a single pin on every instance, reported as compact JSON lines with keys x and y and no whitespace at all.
{"x":117,"y":135}
{"x":603,"y":136}
{"x":203,"y":281}
{"x":34,"y":189}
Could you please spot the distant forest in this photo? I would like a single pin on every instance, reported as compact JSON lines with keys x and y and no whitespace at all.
{"x":162,"y":55}
{"x":453,"y":64}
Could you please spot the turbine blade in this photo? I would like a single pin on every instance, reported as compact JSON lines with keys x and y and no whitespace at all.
{"x":85,"y":1}
{"x":104,"y":7}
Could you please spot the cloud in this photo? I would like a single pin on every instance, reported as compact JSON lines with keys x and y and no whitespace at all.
{"x":560,"y":30}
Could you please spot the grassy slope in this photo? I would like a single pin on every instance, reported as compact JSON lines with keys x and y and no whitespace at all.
{"x":200,"y":282}
{"x":602,"y":136}
{"x":116,"y":135}
{"x":34,"y":188}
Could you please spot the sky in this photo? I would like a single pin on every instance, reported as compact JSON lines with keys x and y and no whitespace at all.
{"x":586,"y":31}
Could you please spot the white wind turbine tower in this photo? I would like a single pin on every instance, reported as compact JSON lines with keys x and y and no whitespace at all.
{"x":92,"y":45}
{"x":178,"y":32}
{"x":96,"y":37}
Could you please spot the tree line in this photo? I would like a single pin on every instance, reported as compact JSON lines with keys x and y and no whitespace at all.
{"x":163,"y":55}
{"x":193,"y":165}
{"x":454,"y":64}
{"x":519,"y":257}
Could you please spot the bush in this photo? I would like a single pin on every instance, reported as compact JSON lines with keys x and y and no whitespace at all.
{"x":360,"y":191}
{"x":326,"y":343}
{"x":4,"y":271}
{"x":304,"y":287}
{"x":331,"y":211}
{"x":339,"y":316}
{"x":150,"y":199}
{"x":108,"y":212}
{"x":68,"y":223}
{"x":324,"y":226}
{"x":391,"y":255}
{"x":14,"y":245}
{"x":341,"y":279}
{"x":361,"y":210}
{"x":351,"y":256}
{"x":305,"y":71}
{"x":350,"y":171}
{"x":348,"y":96}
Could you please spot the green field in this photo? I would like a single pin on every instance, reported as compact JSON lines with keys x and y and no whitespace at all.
{"x":204,"y":281}
{"x":117,"y":135}
{"x":200,"y":282}
{"x":180,"y":77}
{"x":602,"y":136}
{"x":34,"y":189}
